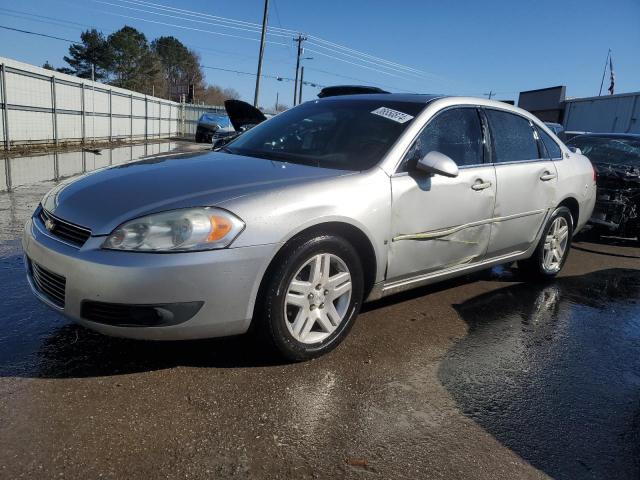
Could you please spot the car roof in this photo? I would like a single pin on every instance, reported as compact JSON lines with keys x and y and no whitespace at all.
{"x":385,"y":97}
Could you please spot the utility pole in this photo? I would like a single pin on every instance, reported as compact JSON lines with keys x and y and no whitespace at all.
{"x":301,"y":83}
{"x":300,"y":39}
{"x":606,"y":60}
{"x":490,"y":94}
{"x":277,"y":98}
{"x":262,"y":40}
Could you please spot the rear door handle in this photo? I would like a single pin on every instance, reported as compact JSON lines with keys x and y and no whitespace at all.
{"x":480,"y":185}
{"x":546,"y":176}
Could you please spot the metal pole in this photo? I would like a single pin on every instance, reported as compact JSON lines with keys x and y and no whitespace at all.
{"x":84,"y":117}
{"x":110,"y":115}
{"x":56,"y":167}
{"x":301,"y":83}
{"x":5,"y":118}
{"x":261,"y":55}
{"x":300,"y":39}
{"x":93,"y":103}
{"x":277,"y":98}
{"x":146,"y":120}
{"x":606,"y":60}
{"x":55,"y":111}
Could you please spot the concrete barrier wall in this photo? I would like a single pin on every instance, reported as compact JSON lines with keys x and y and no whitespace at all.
{"x":41,"y":106}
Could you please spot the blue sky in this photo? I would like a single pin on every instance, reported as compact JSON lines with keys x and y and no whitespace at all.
{"x":451,"y":47}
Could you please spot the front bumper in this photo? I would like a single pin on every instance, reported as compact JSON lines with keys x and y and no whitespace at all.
{"x":226,"y":281}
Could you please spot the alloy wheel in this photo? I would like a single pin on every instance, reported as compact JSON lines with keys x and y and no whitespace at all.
{"x":318,"y":298}
{"x":555,"y":244}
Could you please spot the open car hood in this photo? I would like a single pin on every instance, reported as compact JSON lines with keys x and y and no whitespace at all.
{"x":243,"y":115}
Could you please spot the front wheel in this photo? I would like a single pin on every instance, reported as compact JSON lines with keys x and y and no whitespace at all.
{"x":311,"y":298}
{"x":552,"y":251}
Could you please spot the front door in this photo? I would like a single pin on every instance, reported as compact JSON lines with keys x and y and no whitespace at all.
{"x":440,"y":222}
{"x":526,"y":179}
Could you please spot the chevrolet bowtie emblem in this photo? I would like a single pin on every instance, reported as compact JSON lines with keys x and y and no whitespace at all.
{"x":49,"y":224}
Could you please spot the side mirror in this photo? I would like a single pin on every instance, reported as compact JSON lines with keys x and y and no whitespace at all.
{"x":576,"y":150}
{"x":439,"y":164}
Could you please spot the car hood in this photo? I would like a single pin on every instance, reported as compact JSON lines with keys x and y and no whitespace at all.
{"x":104,"y":199}
{"x":242,"y":115}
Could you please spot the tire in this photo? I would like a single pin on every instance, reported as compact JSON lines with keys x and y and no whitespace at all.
{"x":539,"y":265}
{"x":198,"y":138}
{"x":296,"y":319}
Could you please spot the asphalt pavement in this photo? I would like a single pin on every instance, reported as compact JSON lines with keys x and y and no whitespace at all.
{"x":481,"y":377}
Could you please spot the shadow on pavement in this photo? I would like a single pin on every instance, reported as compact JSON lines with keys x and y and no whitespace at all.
{"x":552,"y":371}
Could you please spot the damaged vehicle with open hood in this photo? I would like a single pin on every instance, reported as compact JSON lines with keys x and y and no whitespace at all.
{"x":243,"y":116}
{"x":212,"y":126}
{"x":616,"y":157}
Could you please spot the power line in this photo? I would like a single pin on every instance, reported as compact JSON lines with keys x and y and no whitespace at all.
{"x":342,"y":47}
{"x":38,"y":34}
{"x":193,"y":13}
{"x":319,"y":42}
{"x":187,"y":19}
{"x":359,"y":80}
{"x":356,"y":64}
{"x":240,"y":72}
{"x":42,"y":18}
{"x":379,"y":65}
{"x":190,"y":28}
{"x":264,"y":75}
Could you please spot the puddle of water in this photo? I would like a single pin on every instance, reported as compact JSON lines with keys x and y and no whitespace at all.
{"x":551,"y":370}
{"x":55,"y":166}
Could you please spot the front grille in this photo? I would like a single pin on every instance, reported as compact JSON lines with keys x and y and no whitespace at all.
{"x":49,"y":284}
{"x":64,"y":230}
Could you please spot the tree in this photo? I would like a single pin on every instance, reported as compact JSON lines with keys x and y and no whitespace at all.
{"x":215,"y":95}
{"x":94,"y":50}
{"x":48,"y":66}
{"x":180,"y":66}
{"x":133,"y":65}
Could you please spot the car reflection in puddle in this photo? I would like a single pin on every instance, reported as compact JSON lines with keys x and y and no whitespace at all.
{"x":553,"y":372}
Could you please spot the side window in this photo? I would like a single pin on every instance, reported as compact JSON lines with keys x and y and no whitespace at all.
{"x":512,"y":136}
{"x":456,"y":132}
{"x":550,"y":144}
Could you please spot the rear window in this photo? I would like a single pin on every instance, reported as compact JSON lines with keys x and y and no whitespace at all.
{"x":553,"y":149}
{"x":512,"y":137}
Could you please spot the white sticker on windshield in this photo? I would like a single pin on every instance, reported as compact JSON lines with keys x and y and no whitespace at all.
{"x":392,"y":114}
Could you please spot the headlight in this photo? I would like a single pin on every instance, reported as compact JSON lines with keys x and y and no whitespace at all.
{"x":177,"y":230}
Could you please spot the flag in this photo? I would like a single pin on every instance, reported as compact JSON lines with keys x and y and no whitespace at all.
{"x":613,"y":76}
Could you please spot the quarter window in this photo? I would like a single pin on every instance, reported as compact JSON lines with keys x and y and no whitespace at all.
{"x":552,"y":147}
{"x":512,"y":137}
{"x":456,"y":132}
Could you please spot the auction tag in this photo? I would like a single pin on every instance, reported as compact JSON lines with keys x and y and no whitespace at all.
{"x":392,"y":114}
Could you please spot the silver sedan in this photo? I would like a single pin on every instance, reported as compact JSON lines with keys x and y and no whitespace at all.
{"x":293,"y":225}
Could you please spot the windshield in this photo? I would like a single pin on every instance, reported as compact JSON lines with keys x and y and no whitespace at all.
{"x":619,"y":151}
{"x":341,"y":134}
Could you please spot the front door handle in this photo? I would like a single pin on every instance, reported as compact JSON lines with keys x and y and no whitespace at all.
{"x":546,"y":176}
{"x":480,"y":185}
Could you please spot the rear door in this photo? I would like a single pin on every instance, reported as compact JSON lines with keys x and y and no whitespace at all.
{"x":526,"y":182}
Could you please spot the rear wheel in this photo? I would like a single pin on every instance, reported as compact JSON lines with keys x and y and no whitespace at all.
{"x":552,"y":251}
{"x":312,"y":298}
